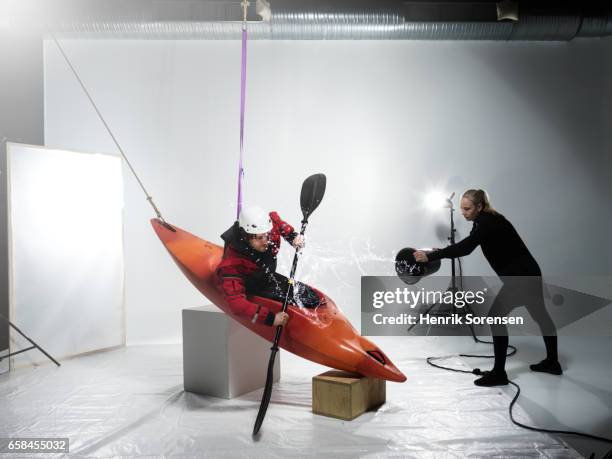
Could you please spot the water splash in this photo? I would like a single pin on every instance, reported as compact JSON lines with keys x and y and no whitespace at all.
{"x":336,"y":268}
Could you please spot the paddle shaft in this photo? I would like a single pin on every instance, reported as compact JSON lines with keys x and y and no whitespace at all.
{"x":265,"y":400}
{"x":311,"y":195}
{"x":279,"y":329}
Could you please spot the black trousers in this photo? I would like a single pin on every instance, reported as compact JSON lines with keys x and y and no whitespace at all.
{"x":519,"y":291}
{"x":525,"y":291}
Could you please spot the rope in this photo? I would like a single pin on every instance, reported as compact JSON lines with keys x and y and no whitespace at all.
{"x":149,"y":197}
{"x":245,"y":5}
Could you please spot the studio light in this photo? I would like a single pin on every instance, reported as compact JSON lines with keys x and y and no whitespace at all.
{"x":436,"y":200}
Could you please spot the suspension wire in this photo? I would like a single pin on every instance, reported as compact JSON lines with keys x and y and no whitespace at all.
{"x":76,"y":75}
{"x":243,"y":63}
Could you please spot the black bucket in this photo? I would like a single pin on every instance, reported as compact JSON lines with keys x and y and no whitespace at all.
{"x":409,"y":270}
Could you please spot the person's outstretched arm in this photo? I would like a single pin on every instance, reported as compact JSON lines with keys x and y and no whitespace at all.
{"x":460,"y":249}
{"x":463,"y":247}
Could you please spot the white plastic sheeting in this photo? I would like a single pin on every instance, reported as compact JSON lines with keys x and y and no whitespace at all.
{"x":130,"y":402}
{"x":66,"y":246}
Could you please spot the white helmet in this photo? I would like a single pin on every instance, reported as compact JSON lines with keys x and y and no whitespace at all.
{"x":254,"y":220}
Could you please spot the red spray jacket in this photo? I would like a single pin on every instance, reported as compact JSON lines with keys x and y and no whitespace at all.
{"x":240,"y":263}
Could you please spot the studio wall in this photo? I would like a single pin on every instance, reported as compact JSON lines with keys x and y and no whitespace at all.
{"x":607,"y":106}
{"x":21,"y":120}
{"x":386,"y":121}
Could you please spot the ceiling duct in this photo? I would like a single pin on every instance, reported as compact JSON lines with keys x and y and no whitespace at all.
{"x":313,"y":19}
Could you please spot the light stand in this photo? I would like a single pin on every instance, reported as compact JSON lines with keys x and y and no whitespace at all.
{"x":453,"y":282}
{"x":451,"y":238}
{"x":35,"y":346}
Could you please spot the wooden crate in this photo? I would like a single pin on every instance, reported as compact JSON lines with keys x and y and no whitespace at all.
{"x":343,"y":395}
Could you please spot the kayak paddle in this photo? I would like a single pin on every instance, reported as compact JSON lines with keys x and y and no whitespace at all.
{"x":312,"y":193}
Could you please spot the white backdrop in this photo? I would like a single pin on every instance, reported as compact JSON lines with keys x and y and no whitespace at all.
{"x":385,"y":121}
{"x":66,"y":253}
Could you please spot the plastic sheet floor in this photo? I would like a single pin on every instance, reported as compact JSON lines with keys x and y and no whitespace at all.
{"x":130,"y":402}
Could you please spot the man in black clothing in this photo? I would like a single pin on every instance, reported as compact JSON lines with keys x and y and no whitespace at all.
{"x":521,"y":276}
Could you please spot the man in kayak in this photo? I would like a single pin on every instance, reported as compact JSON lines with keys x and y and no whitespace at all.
{"x":248,"y":266}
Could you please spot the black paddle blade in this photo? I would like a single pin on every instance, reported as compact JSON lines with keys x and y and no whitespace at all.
{"x":313,"y":190}
{"x":265,"y":400}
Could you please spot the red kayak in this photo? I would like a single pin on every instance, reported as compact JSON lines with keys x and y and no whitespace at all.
{"x":322,"y":335}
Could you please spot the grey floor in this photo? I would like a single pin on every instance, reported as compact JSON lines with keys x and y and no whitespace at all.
{"x":129,"y":402}
{"x":580,"y":400}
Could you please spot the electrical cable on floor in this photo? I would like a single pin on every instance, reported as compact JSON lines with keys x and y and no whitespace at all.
{"x":477,"y":371}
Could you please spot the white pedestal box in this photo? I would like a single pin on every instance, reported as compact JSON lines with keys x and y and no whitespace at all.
{"x":221,"y":358}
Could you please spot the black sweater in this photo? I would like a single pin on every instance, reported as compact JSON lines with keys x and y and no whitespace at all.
{"x":501,"y":245}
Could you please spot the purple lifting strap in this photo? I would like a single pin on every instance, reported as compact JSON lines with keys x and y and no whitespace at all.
{"x":242,"y":104}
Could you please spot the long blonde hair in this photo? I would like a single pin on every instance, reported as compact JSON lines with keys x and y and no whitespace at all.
{"x":480,"y":197}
